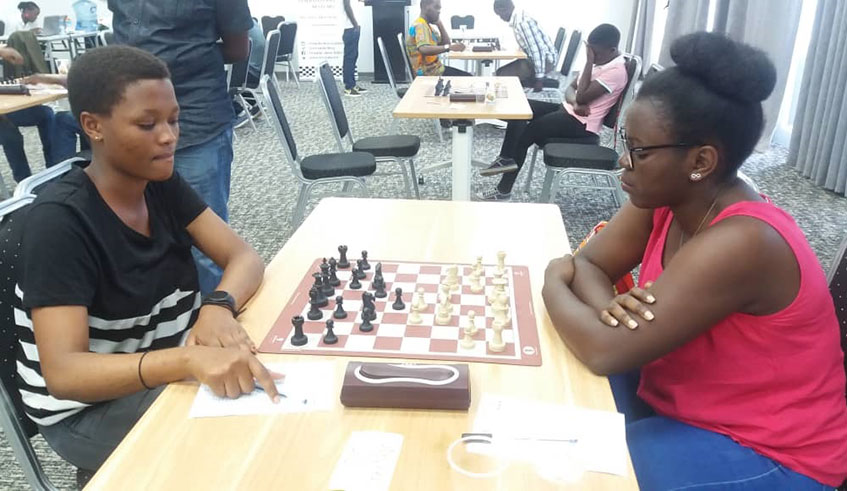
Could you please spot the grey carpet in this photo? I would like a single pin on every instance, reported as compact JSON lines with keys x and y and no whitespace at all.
{"x":264,"y":192}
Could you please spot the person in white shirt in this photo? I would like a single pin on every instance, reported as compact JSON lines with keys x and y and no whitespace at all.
{"x":29,"y":17}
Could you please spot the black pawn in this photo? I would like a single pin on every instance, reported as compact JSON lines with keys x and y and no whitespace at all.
{"x":367,"y":315}
{"x":339,"y":309}
{"x":365,"y":265}
{"x":343,"y":263}
{"x":333,"y":277}
{"x":330,"y":337}
{"x":354,"y":283}
{"x":398,"y":302}
{"x":314,"y":312}
{"x":360,"y":270}
{"x":298,"y":339}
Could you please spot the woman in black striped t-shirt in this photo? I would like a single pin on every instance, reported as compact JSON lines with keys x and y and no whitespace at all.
{"x":109,"y":287}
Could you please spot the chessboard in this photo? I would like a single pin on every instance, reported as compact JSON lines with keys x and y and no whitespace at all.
{"x":393,"y":335}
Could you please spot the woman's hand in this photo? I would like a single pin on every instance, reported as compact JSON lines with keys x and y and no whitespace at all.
{"x":560,"y":269}
{"x":230,"y":372}
{"x":216,"y":327}
{"x":632,"y":301}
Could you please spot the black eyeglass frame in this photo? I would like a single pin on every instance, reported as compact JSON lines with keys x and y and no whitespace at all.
{"x":632,"y":150}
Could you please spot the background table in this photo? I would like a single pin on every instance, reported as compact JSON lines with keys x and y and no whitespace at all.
{"x":481,"y":58}
{"x":12,"y":103}
{"x":166,"y":450}
{"x":420,"y":102}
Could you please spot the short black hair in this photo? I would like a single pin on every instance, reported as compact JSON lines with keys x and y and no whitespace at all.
{"x":714,"y":94}
{"x":28,"y":5}
{"x":98,"y":78}
{"x":605,"y":35}
{"x":503,"y":3}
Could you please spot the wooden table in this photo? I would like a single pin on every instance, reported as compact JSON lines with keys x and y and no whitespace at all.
{"x":166,"y":450}
{"x":12,"y":103}
{"x":485,"y":58}
{"x":420,"y":102}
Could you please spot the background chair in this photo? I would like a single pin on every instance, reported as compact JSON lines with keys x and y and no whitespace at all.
{"x":399,"y":149}
{"x":33,"y":184}
{"x":269,"y":23}
{"x":17,"y":427}
{"x":460,"y":21}
{"x":566,"y":159}
{"x":2,"y":28}
{"x":329,"y":168}
{"x":552,"y":90}
{"x":837,"y":279}
{"x":285,"y":52}
{"x":406,"y":61}
{"x":238,"y":83}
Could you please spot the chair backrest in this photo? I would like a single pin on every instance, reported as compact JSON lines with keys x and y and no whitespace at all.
{"x":406,"y":61}
{"x":570,"y":54}
{"x":2,"y":28}
{"x":270,"y":23}
{"x":837,"y":278}
{"x":17,"y":427}
{"x":654,"y":68}
{"x":633,"y":68}
{"x":280,"y":123}
{"x":33,"y":184}
{"x":389,"y":70}
{"x":288,"y":31}
{"x":457,"y":21}
{"x":332,"y":99}
{"x":559,"y":43}
{"x":238,"y":73}
{"x":271,"y":50}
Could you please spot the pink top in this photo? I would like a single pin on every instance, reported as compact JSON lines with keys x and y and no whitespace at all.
{"x":774,"y":383}
{"x":613,"y":77}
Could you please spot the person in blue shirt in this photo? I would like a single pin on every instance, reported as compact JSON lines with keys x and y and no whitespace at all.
{"x":186,"y":35}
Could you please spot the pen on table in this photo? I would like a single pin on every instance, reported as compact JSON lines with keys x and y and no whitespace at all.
{"x":259,"y":387}
{"x":488,"y":437}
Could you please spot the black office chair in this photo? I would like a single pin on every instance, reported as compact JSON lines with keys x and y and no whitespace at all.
{"x":285,"y":54}
{"x":238,"y":82}
{"x":551,"y":86}
{"x":459,"y":21}
{"x":17,"y":427}
{"x":399,"y":149}
{"x":2,"y":28}
{"x":565,"y":159}
{"x":837,"y":279}
{"x":571,"y":52}
{"x":270,"y":23}
{"x":347,"y":168}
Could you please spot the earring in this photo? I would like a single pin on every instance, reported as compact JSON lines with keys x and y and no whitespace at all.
{"x":695,"y":176}
{"x":98,"y":138}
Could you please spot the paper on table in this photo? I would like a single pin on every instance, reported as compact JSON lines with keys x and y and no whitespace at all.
{"x":308,"y":386}
{"x":534,"y":430}
{"x":367,"y":462}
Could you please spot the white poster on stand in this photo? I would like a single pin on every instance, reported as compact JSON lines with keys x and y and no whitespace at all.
{"x":320,"y":24}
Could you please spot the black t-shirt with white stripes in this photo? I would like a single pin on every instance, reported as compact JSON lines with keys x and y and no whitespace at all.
{"x":141,"y":292}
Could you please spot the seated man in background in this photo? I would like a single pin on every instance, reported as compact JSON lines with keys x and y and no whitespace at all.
{"x":29,"y":18}
{"x":65,"y":127}
{"x":423,"y":44}
{"x":587,"y":101}
{"x":541,"y":53}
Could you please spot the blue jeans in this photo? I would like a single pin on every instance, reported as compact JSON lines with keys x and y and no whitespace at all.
{"x":66,"y":129}
{"x":13,"y":141}
{"x":670,"y":455}
{"x":206,"y":167}
{"x":351,"y":54}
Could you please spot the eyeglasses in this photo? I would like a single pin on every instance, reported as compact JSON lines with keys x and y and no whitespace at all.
{"x":630,"y":152}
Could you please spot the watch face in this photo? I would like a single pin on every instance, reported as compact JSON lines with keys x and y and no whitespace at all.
{"x":218,"y":296}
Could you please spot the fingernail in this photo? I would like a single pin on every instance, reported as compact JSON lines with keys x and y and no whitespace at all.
{"x":615,"y":322}
{"x":651,"y":298}
{"x":649,"y":315}
{"x":632,"y":324}
{"x":277,"y":399}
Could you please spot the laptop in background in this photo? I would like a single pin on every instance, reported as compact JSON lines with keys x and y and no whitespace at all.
{"x":52,"y":25}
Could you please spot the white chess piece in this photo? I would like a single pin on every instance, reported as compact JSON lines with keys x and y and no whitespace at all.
{"x":471,"y":327}
{"x":500,"y":310}
{"x":503,"y":301}
{"x":496,"y":344}
{"x":467,"y":341}
{"x":478,"y":266}
{"x":453,"y":278}
{"x":444,"y":310}
{"x":415,"y":315}
{"x":476,"y":283}
{"x":420,"y":302}
{"x":499,"y":287}
{"x":501,"y":261}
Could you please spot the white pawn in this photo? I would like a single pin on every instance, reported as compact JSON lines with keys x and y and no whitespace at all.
{"x":415,"y":315}
{"x":478,"y":268}
{"x":453,"y":278}
{"x":496,"y":344}
{"x":467,"y":341}
{"x":471,"y":327}
{"x":420,"y":302}
{"x":476,"y":283}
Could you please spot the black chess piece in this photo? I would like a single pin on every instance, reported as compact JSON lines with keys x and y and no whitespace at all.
{"x":367,"y":316}
{"x":368,"y":301}
{"x":333,"y":276}
{"x":365,"y":265}
{"x":359,"y":272}
{"x":330,"y":337}
{"x":398,"y":301}
{"x":447,"y":88}
{"x":298,"y":339}
{"x":380,"y":290}
{"x":354,"y":282}
{"x":343,"y":263}
{"x":326,"y":288}
{"x":439,"y":86}
{"x":339,"y":308}
{"x":321,"y":301}
{"x":314,"y":312}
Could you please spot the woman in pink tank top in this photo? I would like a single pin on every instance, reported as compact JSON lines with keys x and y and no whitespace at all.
{"x":726,"y":359}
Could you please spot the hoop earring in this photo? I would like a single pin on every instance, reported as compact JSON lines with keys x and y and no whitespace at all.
{"x":695,"y":176}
